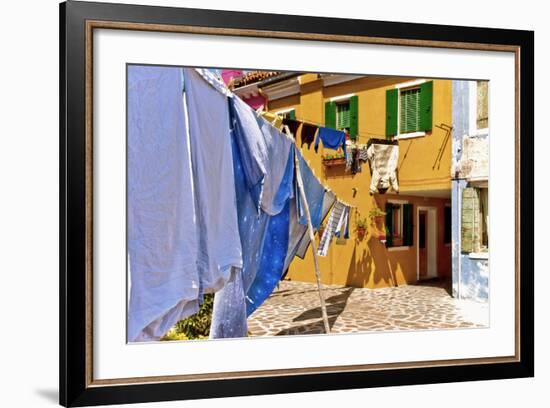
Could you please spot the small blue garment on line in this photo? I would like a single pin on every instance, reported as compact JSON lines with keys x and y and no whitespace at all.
{"x":332,"y":139}
{"x":314,"y":192}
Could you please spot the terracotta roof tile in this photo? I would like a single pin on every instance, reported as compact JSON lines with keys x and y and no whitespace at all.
{"x":255,"y":76}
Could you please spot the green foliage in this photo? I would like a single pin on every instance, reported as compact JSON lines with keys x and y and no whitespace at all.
{"x":196,"y":326}
{"x":361,"y":223}
{"x":376,"y":212}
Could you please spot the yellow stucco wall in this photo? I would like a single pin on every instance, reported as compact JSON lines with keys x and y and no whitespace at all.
{"x":424,"y":168}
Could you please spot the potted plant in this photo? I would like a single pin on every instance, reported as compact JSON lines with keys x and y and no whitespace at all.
{"x":376,"y":214}
{"x":333,"y":159}
{"x":361,"y":227}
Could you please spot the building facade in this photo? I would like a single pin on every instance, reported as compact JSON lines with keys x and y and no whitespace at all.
{"x":470,"y":193}
{"x":408,"y":233}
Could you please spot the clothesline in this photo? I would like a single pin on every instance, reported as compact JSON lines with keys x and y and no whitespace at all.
{"x":366,"y":135}
{"x":288,"y":135}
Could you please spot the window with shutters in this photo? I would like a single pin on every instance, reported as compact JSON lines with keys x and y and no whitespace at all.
{"x":409,"y":110}
{"x":343,"y":115}
{"x":399,"y":224}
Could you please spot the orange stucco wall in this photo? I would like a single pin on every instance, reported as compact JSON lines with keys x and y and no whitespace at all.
{"x":423,"y":171}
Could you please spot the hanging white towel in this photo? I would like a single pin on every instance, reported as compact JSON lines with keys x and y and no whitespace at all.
{"x":383,"y":160}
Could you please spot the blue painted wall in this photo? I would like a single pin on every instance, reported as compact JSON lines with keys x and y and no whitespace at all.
{"x":470,"y":276}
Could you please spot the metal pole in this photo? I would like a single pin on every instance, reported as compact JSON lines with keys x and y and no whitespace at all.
{"x":313,"y":244}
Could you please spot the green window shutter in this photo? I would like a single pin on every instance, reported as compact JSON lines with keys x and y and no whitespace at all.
{"x":389,"y":225}
{"x":409,"y":111}
{"x":292,"y":114}
{"x":342,"y":116}
{"x":391,"y":112}
{"x":353,"y":117}
{"x":330,"y":114}
{"x":426,"y":103}
{"x":469,"y":229}
{"x":408,"y":224}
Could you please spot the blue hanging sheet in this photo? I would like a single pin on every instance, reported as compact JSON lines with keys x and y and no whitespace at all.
{"x":272,"y":260}
{"x":314,"y":192}
{"x":229,"y":312}
{"x":263,"y":237}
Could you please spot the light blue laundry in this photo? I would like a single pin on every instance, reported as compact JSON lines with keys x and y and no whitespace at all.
{"x":162,"y":234}
{"x":278,"y":181}
{"x":214,"y":183}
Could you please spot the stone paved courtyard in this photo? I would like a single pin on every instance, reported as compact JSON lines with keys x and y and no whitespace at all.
{"x":293,"y":308}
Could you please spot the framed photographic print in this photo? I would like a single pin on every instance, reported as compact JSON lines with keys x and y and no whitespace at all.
{"x":256,"y":203}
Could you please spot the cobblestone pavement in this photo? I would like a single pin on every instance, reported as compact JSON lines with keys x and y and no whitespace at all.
{"x":293,"y":308}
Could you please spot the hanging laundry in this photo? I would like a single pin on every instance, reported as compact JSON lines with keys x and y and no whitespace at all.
{"x":332,"y":139}
{"x":349,"y":161}
{"x":355,"y":163}
{"x":314,"y":192}
{"x":363,"y":154}
{"x":334,"y":225}
{"x":274,"y":119}
{"x":211,"y":159}
{"x":263,"y":237}
{"x":293,"y":126}
{"x":308,"y":134}
{"x":383,"y":158}
{"x":328,"y":201}
{"x":344,"y":230}
{"x":274,"y":196}
{"x":162,"y":234}
{"x":296,"y":232}
{"x":251,"y":146}
{"x":272,"y":258}
{"x":229,"y":311}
